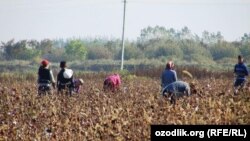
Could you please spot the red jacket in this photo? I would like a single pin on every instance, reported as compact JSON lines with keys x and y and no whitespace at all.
{"x":114,"y":79}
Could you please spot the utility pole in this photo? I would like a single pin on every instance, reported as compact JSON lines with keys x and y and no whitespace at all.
{"x":123,"y":30}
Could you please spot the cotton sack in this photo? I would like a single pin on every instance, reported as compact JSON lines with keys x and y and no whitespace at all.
{"x":68,"y":73}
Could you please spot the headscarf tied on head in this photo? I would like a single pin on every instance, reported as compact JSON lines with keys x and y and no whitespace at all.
{"x":170,"y":65}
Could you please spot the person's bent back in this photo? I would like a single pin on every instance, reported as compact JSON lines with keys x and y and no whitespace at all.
{"x":77,"y":85}
{"x":178,"y":88}
{"x":112,"y":83}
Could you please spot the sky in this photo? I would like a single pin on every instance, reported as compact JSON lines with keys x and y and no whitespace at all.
{"x":53,"y":19}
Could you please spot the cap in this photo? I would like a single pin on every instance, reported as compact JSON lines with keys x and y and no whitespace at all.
{"x":45,"y":62}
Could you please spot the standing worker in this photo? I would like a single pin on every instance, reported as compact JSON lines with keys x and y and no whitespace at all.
{"x":240,"y":70}
{"x":169,"y":75}
{"x":65,"y":79}
{"x":45,"y":78}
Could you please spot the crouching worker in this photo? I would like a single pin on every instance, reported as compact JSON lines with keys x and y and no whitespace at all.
{"x":45,"y":78}
{"x":112,"y":83}
{"x":176,"y":90}
{"x":65,"y":79}
{"x":77,"y":85}
{"x":241,"y":73}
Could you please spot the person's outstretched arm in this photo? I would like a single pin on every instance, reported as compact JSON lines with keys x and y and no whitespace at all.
{"x":246,"y":70}
{"x":52,"y":79}
{"x":175,"y":76}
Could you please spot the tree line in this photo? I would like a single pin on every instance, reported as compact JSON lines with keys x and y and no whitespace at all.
{"x":153,"y":43}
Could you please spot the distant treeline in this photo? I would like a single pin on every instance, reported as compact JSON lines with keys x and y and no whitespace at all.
{"x":153,"y":43}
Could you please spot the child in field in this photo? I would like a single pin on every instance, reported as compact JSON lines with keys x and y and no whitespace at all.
{"x":77,"y":85}
{"x":241,"y":72}
{"x":169,"y":75}
{"x":112,"y":83}
{"x":176,"y":89}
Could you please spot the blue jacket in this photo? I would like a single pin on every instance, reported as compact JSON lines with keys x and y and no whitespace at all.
{"x":167,"y":77}
{"x":241,"y":71}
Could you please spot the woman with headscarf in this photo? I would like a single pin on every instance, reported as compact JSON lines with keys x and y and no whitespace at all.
{"x":169,"y":75}
{"x":112,"y":82}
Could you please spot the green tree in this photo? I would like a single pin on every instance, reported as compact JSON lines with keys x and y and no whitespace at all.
{"x":209,"y":39}
{"x":245,"y":46}
{"x":224,"y":50}
{"x":131,"y":52}
{"x":193,"y":50}
{"x":56,"y":55}
{"x":45,"y":46}
{"x":245,"y":38}
{"x":99,"y":53}
{"x":75,"y":50}
{"x":8,"y":48}
{"x":151,"y":34}
{"x":164,"y":48}
{"x":23,"y":50}
{"x":114,"y":46}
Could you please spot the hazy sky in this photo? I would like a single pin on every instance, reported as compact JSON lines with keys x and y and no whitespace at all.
{"x":38,"y":19}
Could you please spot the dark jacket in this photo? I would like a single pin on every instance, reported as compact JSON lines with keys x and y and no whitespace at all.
{"x":62,"y":82}
{"x":45,"y":76}
{"x":241,"y":71}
